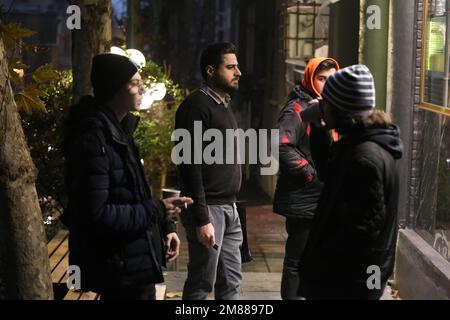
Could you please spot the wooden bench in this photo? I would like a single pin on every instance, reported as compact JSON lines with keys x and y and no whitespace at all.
{"x":58,"y":252}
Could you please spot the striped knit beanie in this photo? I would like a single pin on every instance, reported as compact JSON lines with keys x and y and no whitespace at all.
{"x":351,"y":89}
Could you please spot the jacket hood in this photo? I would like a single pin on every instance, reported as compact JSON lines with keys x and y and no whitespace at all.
{"x":300,"y":92}
{"x":387,"y":138}
{"x":89,"y":114}
{"x":308,"y":78}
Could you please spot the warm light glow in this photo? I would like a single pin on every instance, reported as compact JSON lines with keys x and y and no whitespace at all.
{"x":147,"y":100}
{"x":117,"y":50}
{"x":136,"y":56}
{"x":158,"y":91}
{"x":19,"y":72}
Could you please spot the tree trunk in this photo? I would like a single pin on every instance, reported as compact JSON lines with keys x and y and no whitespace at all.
{"x":93,"y":38}
{"x":24,"y":264}
{"x":136,"y":32}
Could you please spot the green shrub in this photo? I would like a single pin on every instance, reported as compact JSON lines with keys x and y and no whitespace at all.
{"x":153,"y":135}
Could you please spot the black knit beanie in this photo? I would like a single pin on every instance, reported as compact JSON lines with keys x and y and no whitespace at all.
{"x":109,"y":73}
{"x":351,"y":89}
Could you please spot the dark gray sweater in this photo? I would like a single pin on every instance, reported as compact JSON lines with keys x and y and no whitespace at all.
{"x":207,"y":183}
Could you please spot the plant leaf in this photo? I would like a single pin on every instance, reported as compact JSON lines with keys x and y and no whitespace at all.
{"x":30,"y":99}
{"x":45,"y":73}
{"x":16,"y":31}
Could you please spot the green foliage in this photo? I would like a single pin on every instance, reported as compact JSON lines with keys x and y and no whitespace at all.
{"x":44,"y":135}
{"x":152,"y":73}
{"x":45,"y":74}
{"x":41,"y":101}
{"x":156,"y":126}
{"x":13,"y":35}
{"x":31,"y":96}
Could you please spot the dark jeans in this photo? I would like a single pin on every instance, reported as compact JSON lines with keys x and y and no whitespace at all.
{"x":298,"y":231}
{"x":147,"y":292}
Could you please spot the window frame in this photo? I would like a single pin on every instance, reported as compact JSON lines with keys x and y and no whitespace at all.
{"x":286,"y":38}
{"x":441,"y":109}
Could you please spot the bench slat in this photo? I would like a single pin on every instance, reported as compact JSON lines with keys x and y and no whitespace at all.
{"x":60,"y":271}
{"x":89,"y":296}
{"x":59,"y":254}
{"x":73,"y":295}
{"x":58,"y":250}
{"x":56,"y":241}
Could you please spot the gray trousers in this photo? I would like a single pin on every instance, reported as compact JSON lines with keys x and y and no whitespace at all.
{"x":209,"y":268}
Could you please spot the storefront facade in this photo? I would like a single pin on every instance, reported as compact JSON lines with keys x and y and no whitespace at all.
{"x":420,"y":104}
{"x":406,"y":44}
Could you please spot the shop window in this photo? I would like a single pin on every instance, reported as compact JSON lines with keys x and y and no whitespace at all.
{"x":432,"y":218}
{"x":305,"y":30}
{"x":435,"y":57}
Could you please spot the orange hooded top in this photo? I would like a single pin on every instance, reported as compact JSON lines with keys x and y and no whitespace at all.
{"x":308,"y":78}
{"x":308,"y":81}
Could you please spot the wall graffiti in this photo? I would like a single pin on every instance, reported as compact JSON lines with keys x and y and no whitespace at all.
{"x":442,"y":245}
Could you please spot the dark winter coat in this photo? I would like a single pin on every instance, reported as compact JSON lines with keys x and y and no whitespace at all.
{"x":356,"y":220}
{"x":303,"y":151}
{"x":115,"y":226}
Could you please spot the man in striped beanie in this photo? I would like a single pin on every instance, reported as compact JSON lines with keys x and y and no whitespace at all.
{"x":351,"y":248}
{"x":349,"y":94}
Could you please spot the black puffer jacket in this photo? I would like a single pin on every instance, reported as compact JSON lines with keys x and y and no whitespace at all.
{"x":115,"y":226}
{"x":356,"y":220}
{"x":302,"y":148}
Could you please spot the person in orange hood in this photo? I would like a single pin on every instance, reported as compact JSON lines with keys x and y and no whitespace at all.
{"x":303,"y":153}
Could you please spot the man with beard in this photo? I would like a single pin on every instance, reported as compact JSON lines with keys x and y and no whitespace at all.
{"x":212,"y":223}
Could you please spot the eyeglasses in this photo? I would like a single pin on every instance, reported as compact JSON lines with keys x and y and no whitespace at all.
{"x":139,"y":84}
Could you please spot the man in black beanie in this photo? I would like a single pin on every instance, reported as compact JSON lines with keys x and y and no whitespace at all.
{"x":350,"y":251}
{"x":119,"y":236}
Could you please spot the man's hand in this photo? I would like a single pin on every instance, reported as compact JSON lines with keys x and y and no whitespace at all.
{"x":205,"y":235}
{"x":314,"y":113}
{"x":173,"y":205}
{"x":173,"y":246}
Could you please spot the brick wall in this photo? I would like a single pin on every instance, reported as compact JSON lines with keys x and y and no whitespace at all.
{"x":416,"y":136}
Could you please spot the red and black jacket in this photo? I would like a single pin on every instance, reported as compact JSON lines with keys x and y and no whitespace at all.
{"x":303,"y":153}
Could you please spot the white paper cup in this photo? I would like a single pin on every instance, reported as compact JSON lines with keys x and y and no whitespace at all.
{"x":169,"y":193}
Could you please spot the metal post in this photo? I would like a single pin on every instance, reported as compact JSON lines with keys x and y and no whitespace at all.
{"x":447,"y":52}
{"x":375,"y":47}
{"x":403,"y":85}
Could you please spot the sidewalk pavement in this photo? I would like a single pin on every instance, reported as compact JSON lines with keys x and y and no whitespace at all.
{"x":262,"y":276}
